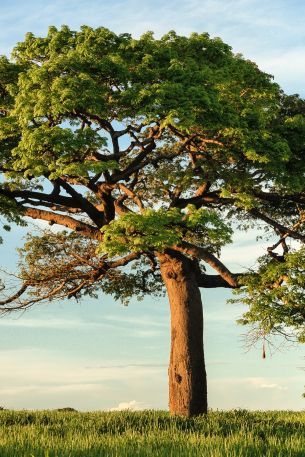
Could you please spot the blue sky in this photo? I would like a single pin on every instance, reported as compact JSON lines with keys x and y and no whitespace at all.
{"x":100,"y":354}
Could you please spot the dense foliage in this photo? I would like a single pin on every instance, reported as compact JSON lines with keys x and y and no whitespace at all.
{"x":138,"y":146}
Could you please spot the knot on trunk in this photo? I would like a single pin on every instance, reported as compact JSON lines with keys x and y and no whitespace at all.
{"x":171,"y":275}
{"x":178,"y":378}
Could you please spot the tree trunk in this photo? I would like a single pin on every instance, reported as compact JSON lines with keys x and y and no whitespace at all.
{"x":187,"y":375}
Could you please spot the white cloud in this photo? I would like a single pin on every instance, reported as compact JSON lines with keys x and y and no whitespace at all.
{"x":261,"y":383}
{"x":132,"y":405}
{"x":273,"y":386}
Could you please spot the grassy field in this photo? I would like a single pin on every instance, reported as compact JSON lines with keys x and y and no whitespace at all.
{"x":151,"y":433}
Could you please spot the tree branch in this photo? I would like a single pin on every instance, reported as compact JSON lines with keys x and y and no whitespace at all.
{"x":273,"y":197}
{"x":281,"y":228}
{"x":135,"y":164}
{"x":14,"y":297}
{"x":211,"y":281}
{"x":95,"y":215}
{"x":124,"y":260}
{"x":131,"y":195}
{"x":41,"y":197}
{"x":66,"y":221}
{"x":202,"y":253}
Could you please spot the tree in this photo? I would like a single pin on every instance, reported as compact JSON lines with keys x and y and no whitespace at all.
{"x":149,"y":153}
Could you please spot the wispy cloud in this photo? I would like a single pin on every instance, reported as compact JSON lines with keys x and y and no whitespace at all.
{"x":272,"y":386}
{"x":38,"y":366}
{"x":138,"y":327}
{"x":129,"y":365}
{"x":47,"y":323}
{"x":39,"y":389}
{"x":261,"y":383}
{"x":38,"y":379}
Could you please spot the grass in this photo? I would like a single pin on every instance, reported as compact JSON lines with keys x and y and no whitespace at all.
{"x":237,"y":433}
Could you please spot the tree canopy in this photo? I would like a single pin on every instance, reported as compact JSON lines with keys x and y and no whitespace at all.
{"x":137,"y":147}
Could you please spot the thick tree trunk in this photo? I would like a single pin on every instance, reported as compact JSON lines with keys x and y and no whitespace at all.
{"x":187,"y":375}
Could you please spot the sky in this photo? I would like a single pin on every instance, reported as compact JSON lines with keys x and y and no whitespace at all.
{"x":99,"y":354}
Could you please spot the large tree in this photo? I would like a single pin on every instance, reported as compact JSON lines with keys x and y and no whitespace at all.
{"x":150,"y":152}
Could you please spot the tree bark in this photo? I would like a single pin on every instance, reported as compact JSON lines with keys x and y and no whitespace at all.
{"x":187,"y":374}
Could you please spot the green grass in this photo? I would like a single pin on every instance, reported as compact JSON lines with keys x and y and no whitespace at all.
{"x":151,"y":433}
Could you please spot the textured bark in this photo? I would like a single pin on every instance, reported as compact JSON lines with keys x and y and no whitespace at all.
{"x":198,"y":252}
{"x":67,"y":221}
{"x":187,"y":375}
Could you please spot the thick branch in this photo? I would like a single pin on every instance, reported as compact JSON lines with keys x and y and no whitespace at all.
{"x":52,"y":206}
{"x":95,"y":215}
{"x":41,"y":197}
{"x":211,"y":281}
{"x":131,"y":195}
{"x":66,"y":221}
{"x":276,"y":198}
{"x":208,"y":257}
{"x":200,"y":200}
{"x":124,"y":260}
{"x":76,"y":200}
